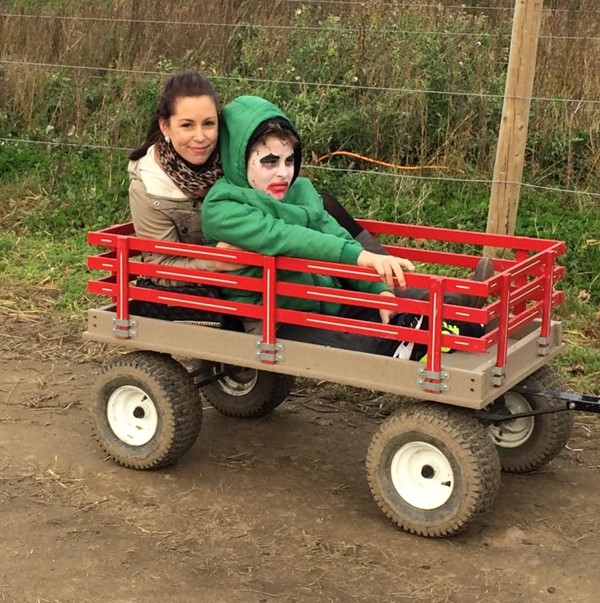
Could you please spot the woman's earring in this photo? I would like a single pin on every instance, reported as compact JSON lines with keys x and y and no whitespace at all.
{"x":167,"y":140}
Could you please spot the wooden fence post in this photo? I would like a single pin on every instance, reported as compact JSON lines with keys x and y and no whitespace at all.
{"x":512,"y":138}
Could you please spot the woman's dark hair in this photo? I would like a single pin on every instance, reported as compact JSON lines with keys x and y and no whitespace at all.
{"x":182,"y":84}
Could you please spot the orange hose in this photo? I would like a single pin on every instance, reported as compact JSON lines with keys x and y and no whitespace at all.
{"x":391,"y":165}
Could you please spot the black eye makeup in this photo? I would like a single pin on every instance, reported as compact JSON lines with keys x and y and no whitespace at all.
{"x":270,"y":158}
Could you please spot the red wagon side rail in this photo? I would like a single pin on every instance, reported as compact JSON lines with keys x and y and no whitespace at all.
{"x":522,"y":290}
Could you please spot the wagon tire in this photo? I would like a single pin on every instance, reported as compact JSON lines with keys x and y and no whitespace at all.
{"x":146,"y":411}
{"x":244,"y":392}
{"x":528,"y":443}
{"x":432,"y":470}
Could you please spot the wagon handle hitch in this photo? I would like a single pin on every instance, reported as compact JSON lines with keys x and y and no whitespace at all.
{"x":581,"y":402}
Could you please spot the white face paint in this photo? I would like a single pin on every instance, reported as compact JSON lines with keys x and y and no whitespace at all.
{"x":270,"y":167}
{"x":193,"y":128}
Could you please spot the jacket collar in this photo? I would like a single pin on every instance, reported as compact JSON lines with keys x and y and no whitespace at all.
{"x":156,"y":182}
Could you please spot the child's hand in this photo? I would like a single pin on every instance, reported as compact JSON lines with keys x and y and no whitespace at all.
{"x":221,"y":266}
{"x":387,"y":266}
{"x":383,"y":313}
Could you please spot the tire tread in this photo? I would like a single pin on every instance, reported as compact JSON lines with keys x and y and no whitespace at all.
{"x":181,"y":419}
{"x":271,"y":391}
{"x":467,"y":436}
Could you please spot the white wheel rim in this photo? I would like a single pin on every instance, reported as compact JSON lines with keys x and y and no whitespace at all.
{"x":132,"y":415}
{"x":422,"y":475}
{"x":512,"y":434}
{"x":238,"y":387}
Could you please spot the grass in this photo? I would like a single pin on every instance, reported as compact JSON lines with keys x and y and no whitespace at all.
{"x":56,"y":269}
{"x":50,"y":198}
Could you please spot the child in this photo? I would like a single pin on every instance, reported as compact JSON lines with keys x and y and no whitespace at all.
{"x":262,"y":205}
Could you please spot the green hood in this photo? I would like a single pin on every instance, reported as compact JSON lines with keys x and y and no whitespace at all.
{"x":240,"y":119}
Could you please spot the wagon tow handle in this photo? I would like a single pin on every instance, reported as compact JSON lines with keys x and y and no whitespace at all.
{"x":581,"y":402}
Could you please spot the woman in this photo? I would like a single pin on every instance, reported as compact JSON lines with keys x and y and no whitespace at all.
{"x":171,"y":173}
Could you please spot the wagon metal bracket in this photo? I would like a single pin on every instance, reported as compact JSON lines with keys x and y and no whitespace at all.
{"x":433,"y":380}
{"x":543,"y":347}
{"x":498,"y":376}
{"x":124,"y":328}
{"x":269,"y":352}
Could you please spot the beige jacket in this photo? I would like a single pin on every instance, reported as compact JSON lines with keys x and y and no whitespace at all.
{"x":160,"y":210}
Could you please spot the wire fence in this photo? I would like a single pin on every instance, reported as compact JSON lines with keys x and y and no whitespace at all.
{"x":437,"y":6}
{"x":551,"y":189}
{"x":577,"y":101}
{"x":300,"y":82}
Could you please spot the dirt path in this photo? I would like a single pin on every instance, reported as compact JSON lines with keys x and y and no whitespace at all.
{"x":258,"y":511}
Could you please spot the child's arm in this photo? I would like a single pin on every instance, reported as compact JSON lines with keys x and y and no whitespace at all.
{"x":251,"y":227}
{"x":302,"y":229}
{"x":386,"y":266}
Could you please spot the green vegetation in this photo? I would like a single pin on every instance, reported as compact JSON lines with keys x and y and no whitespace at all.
{"x":348,"y":81}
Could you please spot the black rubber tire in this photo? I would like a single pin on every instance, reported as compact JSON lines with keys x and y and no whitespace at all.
{"x":453,"y":437}
{"x":549,"y":433}
{"x":168,"y":390}
{"x":243,"y":392}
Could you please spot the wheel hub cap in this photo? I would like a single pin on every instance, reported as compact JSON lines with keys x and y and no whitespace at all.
{"x":512,"y":434}
{"x":238,"y":381}
{"x":132,"y":415}
{"x":422,"y":475}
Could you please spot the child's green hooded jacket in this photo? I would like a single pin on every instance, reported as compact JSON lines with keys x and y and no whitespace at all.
{"x":296,"y":226}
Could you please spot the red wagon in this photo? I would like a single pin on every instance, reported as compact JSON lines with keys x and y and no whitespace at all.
{"x":434,"y":465}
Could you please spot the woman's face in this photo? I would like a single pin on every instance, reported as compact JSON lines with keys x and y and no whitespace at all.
{"x":193,"y":128}
{"x":270,"y":167}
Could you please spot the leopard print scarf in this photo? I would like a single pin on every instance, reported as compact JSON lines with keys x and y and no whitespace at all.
{"x":194,"y":181}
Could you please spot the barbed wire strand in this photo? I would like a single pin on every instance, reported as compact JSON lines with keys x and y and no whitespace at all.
{"x":420,"y":32}
{"x":300,"y":82}
{"x":244,"y":24}
{"x":331,"y":169}
{"x":463,"y":180}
